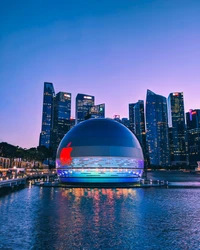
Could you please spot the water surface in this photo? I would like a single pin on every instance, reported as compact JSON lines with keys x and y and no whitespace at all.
{"x":140,"y":218}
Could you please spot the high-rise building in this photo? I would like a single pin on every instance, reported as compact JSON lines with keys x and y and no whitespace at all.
{"x":171,"y":151}
{"x":131,"y":116}
{"x":61,"y":118}
{"x":157,"y":129}
{"x":125,"y":121}
{"x":137,"y":123}
{"x":47,"y":114}
{"x":193,"y":132}
{"x":97,"y":111}
{"x":83,"y":105}
{"x":177,"y":123}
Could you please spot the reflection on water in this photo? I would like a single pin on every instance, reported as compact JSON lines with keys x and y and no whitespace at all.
{"x":95,"y":218}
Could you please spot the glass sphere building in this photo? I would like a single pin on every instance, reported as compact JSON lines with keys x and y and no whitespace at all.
{"x":99,"y":150}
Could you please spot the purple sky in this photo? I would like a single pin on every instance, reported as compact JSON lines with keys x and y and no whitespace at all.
{"x":112,"y":49}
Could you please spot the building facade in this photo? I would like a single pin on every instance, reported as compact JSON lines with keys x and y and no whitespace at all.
{"x":61,"y":118}
{"x":97,"y":111}
{"x":56,"y":117}
{"x":125,"y":121}
{"x":176,"y":119}
{"x":137,"y":123}
{"x":47,"y":115}
{"x":131,"y":117}
{"x":193,"y":133}
{"x":83,"y":105}
{"x":157,"y":130}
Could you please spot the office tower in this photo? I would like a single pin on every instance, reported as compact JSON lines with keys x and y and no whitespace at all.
{"x":61,"y":118}
{"x":47,"y":113}
{"x":177,"y":123}
{"x":157,"y":129}
{"x":97,"y":111}
{"x":137,"y":122}
{"x":171,"y":152}
{"x":193,"y":133}
{"x":83,"y":104}
{"x":125,"y":122}
{"x":131,"y":116}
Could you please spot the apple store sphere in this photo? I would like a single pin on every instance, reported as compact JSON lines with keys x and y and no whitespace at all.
{"x":99,"y":150}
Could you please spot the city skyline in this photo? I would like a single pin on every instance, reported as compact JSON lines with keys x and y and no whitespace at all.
{"x":112,"y":50}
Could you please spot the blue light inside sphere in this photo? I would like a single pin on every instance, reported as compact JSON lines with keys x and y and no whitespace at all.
{"x":102,"y":150}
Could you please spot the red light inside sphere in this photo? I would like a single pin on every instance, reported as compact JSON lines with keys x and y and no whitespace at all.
{"x":65,"y":157}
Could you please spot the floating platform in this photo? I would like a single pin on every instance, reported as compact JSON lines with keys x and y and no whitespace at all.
{"x":146,"y":183}
{"x":141,"y":184}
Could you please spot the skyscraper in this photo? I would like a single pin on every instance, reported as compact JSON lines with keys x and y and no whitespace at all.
{"x":47,"y":114}
{"x":177,"y":123}
{"x":97,"y":111}
{"x":83,"y":105}
{"x":131,"y":116}
{"x":125,"y":121}
{"x":193,"y":132}
{"x":137,"y":122}
{"x":61,"y":118}
{"x":157,"y":129}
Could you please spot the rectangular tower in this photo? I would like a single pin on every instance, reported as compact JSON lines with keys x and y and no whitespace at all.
{"x":61,"y":118}
{"x":137,"y":122}
{"x":97,"y":111}
{"x":193,"y":132}
{"x":157,"y":129}
{"x":83,"y":105}
{"x":125,"y":121}
{"x":177,"y":123}
{"x":47,"y":115}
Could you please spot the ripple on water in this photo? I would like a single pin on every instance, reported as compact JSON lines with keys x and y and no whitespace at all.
{"x":44,"y":218}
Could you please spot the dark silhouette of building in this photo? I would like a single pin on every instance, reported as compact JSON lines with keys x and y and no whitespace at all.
{"x":83,"y":105}
{"x":157,"y":129}
{"x":137,"y":123}
{"x":177,"y":124}
{"x":193,"y":132}
{"x":131,"y":116}
{"x":47,"y":114}
{"x":125,"y":122}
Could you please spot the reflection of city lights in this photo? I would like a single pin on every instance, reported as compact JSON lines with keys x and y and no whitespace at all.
{"x":96,"y":194}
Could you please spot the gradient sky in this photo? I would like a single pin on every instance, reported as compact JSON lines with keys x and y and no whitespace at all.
{"x":112,"y":49}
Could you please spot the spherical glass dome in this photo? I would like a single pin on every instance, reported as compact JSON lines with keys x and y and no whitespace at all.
{"x":99,"y":150}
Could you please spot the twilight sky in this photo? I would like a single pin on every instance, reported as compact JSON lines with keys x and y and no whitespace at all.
{"x":112,"y":49}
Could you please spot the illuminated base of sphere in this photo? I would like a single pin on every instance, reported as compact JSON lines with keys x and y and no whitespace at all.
{"x":101,"y":169}
{"x":100,"y":179}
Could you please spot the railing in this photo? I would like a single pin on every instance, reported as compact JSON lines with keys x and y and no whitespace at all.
{"x":12,"y":182}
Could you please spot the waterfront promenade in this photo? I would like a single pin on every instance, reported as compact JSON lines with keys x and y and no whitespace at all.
{"x":15,"y":182}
